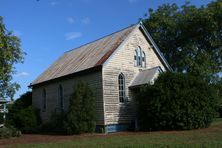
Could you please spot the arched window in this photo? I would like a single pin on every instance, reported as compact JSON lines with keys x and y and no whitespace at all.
{"x":139,"y":58}
{"x":44,"y":99}
{"x":139,"y":62}
{"x":135,"y":57}
{"x":143,"y":59}
{"x":61,"y":97}
{"x":122,"y":93}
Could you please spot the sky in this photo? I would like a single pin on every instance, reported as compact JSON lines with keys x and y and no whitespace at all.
{"x":48,"y":28}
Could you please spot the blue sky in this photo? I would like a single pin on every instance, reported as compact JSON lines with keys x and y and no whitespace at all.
{"x":48,"y":28}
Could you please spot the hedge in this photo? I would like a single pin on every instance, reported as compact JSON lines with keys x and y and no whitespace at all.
{"x":176,"y":102}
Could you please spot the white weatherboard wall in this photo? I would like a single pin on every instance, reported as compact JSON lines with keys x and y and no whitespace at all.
{"x":122,"y":60}
{"x":94,"y":80}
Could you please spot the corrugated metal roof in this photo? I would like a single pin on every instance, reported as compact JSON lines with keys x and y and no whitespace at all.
{"x":84,"y":57}
{"x":145,"y":76}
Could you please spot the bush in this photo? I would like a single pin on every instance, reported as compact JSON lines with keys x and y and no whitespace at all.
{"x":219,"y":110}
{"x":176,"y":102}
{"x":7,"y":132}
{"x":27,"y":120}
{"x":55,"y":125}
{"x":23,"y":116}
{"x":218,"y":87}
{"x":24,"y":101}
{"x":81,"y":115}
{"x":1,"y":118}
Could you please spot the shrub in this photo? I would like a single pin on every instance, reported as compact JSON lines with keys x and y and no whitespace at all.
{"x":27,"y":120}
{"x":176,"y":101}
{"x":21,"y":103}
{"x":218,"y":87}
{"x":23,"y":116}
{"x":219,"y":110}
{"x":24,"y":101}
{"x":1,"y":118}
{"x":81,"y":115}
{"x":6,"y":132}
{"x":55,"y":125}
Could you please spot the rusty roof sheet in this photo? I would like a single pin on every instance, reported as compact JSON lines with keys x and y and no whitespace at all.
{"x":84,"y":57}
{"x":146,"y":76}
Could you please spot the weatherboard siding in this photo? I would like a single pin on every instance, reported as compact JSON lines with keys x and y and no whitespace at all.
{"x":122,"y":60}
{"x":94,"y":80}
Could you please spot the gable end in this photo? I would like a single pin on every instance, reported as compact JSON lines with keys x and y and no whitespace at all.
{"x":155,"y":47}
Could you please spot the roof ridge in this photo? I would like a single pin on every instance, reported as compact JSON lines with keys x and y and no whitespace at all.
{"x":133,"y":25}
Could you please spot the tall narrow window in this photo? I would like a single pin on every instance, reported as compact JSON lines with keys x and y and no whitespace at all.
{"x":139,"y":58}
{"x":122,"y":93}
{"x":143,"y":59}
{"x":61,"y":97}
{"x":44,"y":99}
{"x":139,"y":62}
{"x":135,"y":57}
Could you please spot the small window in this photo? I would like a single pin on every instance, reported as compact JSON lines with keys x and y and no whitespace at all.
{"x":44,"y":99}
{"x":139,"y":58}
{"x":122,"y":93}
{"x":139,"y":63}
{"x":61,"y":97}
{"x":143,"y":59}
{"x":135,"y":57}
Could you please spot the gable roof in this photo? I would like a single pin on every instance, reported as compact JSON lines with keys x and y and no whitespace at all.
{"x":84,"y":57}
{"x":88,"y":56}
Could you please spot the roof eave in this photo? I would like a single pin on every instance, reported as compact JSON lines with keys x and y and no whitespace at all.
{"x":95,"y":68}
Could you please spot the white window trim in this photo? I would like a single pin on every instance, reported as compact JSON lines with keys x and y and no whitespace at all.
{"x":140,"y":54}
{"x":124,"y":89}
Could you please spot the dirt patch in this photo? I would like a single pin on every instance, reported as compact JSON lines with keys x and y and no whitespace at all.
{"x":38,"y":138}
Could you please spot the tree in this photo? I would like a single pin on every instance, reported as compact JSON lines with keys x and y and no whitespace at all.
{"x":23,"y":115}
{"x":189,"y":37}
{"x":81,"y":115}
{"x":10,"y":54}
{"x":176,"y":102}
{"x":218,"y":87}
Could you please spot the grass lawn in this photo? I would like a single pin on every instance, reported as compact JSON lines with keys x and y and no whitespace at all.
{"x":209,"y":137}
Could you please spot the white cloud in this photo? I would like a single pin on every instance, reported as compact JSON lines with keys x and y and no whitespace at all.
{"x":71,"y":20}
{"x":53,"y":3}
{"x":22,"y":74}
{"x":85,"y":20}
{"x":132,"y":1}
{"x":73,"y":35}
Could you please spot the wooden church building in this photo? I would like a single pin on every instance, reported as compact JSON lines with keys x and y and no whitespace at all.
{"x":113,"y":66}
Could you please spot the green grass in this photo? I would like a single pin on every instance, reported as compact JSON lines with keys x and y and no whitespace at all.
{"x":209,"y":137}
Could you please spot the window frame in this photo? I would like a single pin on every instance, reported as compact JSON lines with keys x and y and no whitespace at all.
{"x":44,"y":101}
{"x":135,"y":58}
{"x":143,"y":59}
{"x":122,"y":88}
{"x":139,"y":58}
{"x":61,"y":97}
